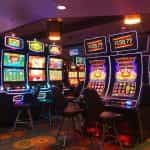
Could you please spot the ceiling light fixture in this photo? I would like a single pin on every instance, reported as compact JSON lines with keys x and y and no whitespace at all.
{"x":132,"y":19}
{"x":61,"y":7}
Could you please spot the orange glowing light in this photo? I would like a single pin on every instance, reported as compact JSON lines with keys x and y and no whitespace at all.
{"x":126,"y":75}
{"x":132,"y":19}
{"x":54,"y":36}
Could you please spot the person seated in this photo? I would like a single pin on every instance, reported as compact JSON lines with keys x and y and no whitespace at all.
{"x":93,"y":106}
{"x":77,"y":90}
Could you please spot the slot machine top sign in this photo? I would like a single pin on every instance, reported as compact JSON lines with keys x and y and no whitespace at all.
{"x":95,"y":45}
{"x":36,"y":46}
{"x":55,"y":49}
{"x":14,"y":42}
{"x":126,"y":41}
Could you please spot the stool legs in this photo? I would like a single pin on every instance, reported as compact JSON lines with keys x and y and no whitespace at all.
{"x":116,"y":134}
{"x":106,"y":125}
{"x":30,"y":117}
{"x":18,"y":116}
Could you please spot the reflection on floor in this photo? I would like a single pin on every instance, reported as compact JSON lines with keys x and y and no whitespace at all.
{"x":74,"y":140}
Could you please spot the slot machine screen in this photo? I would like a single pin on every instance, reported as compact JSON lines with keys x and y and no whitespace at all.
{"x":16,"y":75}
{"x":97,"y":75}
{"x":36,"y":62}
{"x":36,"y":75}
{"x":55,"y":75}
{"x":55,"y":50}
{"x":14,"y":60}
{"x":14,"y":42}
{"x":74,"y":52}
{"x":55,"y":63}
{"x":72,"y":74}
{"x":97,"y":71}
{"x":82,"y":75}
{"x":80,"y":61}
{"x":125,"y":77}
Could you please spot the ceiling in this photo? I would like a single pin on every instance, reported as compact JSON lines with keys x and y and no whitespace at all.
{"x":39,"y":29}
{"x":15,"y":13}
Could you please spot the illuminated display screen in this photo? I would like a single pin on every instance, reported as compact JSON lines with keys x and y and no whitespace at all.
{"x":14,"y":42}
{"x":97,"y":71}
{"x":97,"y":75}
{"x":36,"y":62}
{"x":125,"y":77}
{"x":14,"y":60}
{"x":11,"y":75}
{"x":36,"y":46}
{"x":55,"y":50}
{"x":73,"y":78}
{"x":55,"y":75}
{"x":124,"y":41}
{"x":55,"y":63}
{"x":74,"y":52}
{"x":81,"y":74}
{"x":73,"y":74}
{"x":37,"y":75}
{"x":80,"y":60}
{"x":95,"y":45}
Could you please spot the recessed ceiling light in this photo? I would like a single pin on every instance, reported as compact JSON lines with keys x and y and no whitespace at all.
{"x":61,"y":7}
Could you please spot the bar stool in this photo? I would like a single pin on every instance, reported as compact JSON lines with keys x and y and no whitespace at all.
{"x":70,"y":114}
{"x":22,"y":107}
{"x":109,"y":129}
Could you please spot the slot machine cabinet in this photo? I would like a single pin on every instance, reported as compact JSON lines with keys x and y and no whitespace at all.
{"x":73,"y":76}
{"x":37,"y":66}
{"x":55,"y":71}
{"x":14,"y":67}
{"x":97,"y":65}
{"x":129,"y":75}
{"x":126,"y":80}
{"x":80,"y":63}
{"x":55,"y":65}
{"x":81,"y":73}
{"x":129,"y":67}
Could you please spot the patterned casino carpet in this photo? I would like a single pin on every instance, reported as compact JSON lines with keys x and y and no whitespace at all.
{"x":28,"y":138}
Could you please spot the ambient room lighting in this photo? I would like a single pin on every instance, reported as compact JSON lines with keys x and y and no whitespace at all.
{"x":54,"y":29}
{"x":61,"y":7}
{"x":132,"y":19}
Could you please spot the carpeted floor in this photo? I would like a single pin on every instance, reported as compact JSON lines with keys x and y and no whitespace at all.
{"x":74,"y":140}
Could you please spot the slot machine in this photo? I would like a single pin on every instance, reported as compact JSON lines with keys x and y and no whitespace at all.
{"x":126,"y":80}
{"x":97,"y":65}
{"x":55,"y":65}
{"x":37,"y":68}
{"x":14,"y":75}
{"x":129,"y":65}
{"x":73,"y":75}
{"x":129,"y":79}
{"x":80,"y":63}
{"x":55,"y":71}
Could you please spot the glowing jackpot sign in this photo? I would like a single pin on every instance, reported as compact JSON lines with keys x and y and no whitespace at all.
{"x":14,"y":42}
{"x":36,"y":46}
{"x":127,"y":41}
{"x":95,"y":45}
